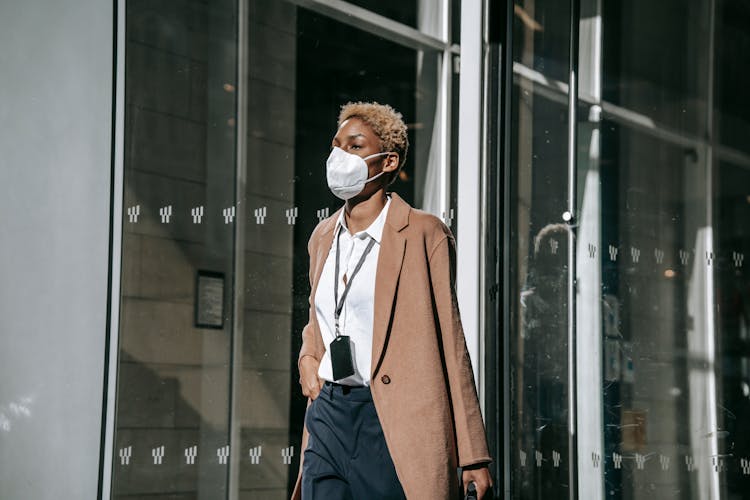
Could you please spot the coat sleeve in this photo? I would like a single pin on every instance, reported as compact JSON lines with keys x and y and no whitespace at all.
{"x":471,"y":437}
{"x":307,"y":349}
{"x":308,"y":334}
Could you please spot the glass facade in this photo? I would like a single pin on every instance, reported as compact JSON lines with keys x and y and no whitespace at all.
{"x":176,"y":313}
{"x":230,"y":110}
{"x":539,"y":256}
{"x":626,"y":287}
{"x":612,"y":299}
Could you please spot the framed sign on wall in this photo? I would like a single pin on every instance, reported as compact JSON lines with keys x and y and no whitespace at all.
{"x":209,"y":299}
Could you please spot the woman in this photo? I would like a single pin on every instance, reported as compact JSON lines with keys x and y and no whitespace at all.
{"x":392,"y":406}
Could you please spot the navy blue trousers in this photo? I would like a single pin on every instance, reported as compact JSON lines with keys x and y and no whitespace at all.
{"x":346,"y":456}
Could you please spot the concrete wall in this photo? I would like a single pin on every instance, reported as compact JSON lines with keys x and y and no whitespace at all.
{"x":55,"y":137}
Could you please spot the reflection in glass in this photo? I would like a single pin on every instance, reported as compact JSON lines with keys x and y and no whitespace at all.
{"x":658,"y":255}
{"x":541,"y":37}
{"x":539,"y":317}
{"x":656,"y":56}
{"x":657,"y":333}
{"x":428,"y":16}
{"x":405,"y":12}
{"x":204,"y":409}
{"x":660,"y":237}
{"x":539,"y":254}
{"x":172,"y":421}
{"x":294,"y":99}
{"x":732,"y":212}
{"x":732,"y":121}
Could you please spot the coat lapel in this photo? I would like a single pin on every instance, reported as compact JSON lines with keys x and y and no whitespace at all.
{"x":390,"y":260}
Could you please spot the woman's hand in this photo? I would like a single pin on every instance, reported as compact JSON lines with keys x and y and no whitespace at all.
{"x":308,"y":377}
{"x":481,"y":478}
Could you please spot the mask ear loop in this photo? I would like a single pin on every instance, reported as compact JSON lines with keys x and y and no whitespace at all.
{"x":378,"y":154}
{"x":382,"y":171}
{"x":375,"y":176}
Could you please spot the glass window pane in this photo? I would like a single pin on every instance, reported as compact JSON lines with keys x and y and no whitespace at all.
{"x":648,"y":251}
{"x":538,"y":265}
{"x":660,"y":243}
{"x":425,"y":15}
{"x":399,"y":10}
{"x":661,"y":288}
{"x":176,"y":305}
{"x":541,"y":37}
{"x":655,"y":59}
{"x":294,"y":98}
{"x":662,"y":303}
{"x":189,"y":382}
{"x":732,"y":119}
{"x":455,"y":6}
{"x":667,"y":254}
{"x":539,"y":303}
{"x":731,"y":206}
{"x":539,"y":270}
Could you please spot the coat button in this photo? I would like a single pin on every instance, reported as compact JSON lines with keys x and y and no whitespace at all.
{"x":385,"y":379}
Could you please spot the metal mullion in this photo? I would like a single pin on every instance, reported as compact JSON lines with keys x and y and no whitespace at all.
{"x":376,"y":24}
{"x":483,"y":204}
{"x":572,"y":220}
{"x":443,"y":119}
{"x":444,"y":97}
{"x":506,"y":72}
{"x":469,"y":217}
{"x":238,"y":278}
{"x":711,"y":172}
{"x":109,"y":407}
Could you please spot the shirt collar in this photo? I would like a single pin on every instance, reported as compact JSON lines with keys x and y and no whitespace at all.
{"x":374,"y":230}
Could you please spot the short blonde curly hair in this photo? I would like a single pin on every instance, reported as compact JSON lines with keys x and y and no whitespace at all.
{"x":386,"y":122}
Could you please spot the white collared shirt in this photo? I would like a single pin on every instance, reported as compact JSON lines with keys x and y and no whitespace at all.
{"x":356,"y":318}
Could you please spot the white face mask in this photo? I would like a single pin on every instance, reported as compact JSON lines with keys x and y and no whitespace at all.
{"x":347,"y":173}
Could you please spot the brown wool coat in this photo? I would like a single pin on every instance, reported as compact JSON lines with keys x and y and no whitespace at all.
{"x":422,"y":381}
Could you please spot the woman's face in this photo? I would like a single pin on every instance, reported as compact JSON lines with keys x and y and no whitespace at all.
{"x":356,"y":137}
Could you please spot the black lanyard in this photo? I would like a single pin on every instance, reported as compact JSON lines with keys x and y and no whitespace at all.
{"x":340,"y":304}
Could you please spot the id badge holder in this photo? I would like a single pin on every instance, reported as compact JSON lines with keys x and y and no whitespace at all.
{"x":342,"y":359}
